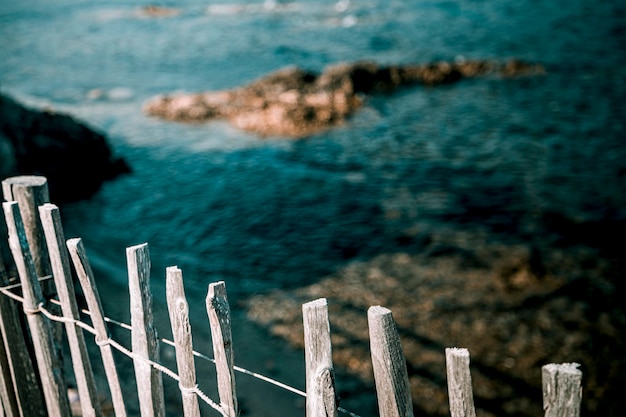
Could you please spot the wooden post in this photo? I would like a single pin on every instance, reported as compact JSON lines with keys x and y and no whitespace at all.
{"x":321,"y":398}
{"x":459,"y":383}
{"x":30,"y":192}
{"x":23,"y":384}
{"x":181,"y":330}
{"x":562,"y":389}
{"x":145,"y":343}
{"x":90,"y":291}
{"x":59,"y":260}
{"x":218,"y":311}
{"x":55,"y":391}
{"x":392,"y":380}
{"x":8,"y":399}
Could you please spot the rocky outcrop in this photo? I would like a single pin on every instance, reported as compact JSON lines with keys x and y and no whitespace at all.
{"x":75,"y":158}
{"x":158,"y":11}
{"x":516,"y":307}
{"x":294,"y":102}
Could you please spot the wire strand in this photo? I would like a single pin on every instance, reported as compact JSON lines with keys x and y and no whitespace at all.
{"x":6,"y":290}
{"x":119,"y":347}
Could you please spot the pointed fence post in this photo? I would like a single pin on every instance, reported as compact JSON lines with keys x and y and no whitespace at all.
{"x":321,"y":398}
{"x":55,"y":391}
{"x":22,"y":380}
{"x":459,"y":383}
{"x":218,"y":311}
{"x":181,"y":330}
{"x":144,"y":337}
{"x":90,"y":291}
{"x":392,"y":380}
{"x":59,"y":261}
{"x":562,"y":389}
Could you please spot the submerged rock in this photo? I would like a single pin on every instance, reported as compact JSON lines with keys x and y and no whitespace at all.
{"x":75,"y":158}
{"x":515,"y":306}
{"x":294,"y":102}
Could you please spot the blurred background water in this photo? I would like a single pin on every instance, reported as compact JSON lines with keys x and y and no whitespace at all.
{"x":534,"y":159}
{"x":490,"y":154}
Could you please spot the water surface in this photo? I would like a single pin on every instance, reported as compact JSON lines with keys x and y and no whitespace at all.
{"x":536,"y":159}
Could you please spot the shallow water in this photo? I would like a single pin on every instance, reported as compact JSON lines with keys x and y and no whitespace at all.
{"x":538,"y":159}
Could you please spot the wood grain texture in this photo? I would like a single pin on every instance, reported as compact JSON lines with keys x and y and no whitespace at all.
{"x":8,"y":399}
{"x":20,"y":389}
{"x":30,"y":192}
{"x":460,"y":392}
{"x":392,"y":381}
{"x":59,"y":261}
{"x":321,"y":399}
{"x":562,"y":389}
{"x":50,"y":371}
{"x":218,"y":311}
{"x":87,"y":281}
{"x":178,"y":309}
{"x":144,"y":336}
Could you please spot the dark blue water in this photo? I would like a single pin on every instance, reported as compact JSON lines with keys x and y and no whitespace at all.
{"x":515,"y":159}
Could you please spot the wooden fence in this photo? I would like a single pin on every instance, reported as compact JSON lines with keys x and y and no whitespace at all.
{"x":31,"y":377}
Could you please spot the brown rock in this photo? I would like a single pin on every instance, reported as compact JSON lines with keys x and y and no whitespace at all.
{"x":158,"y":11}
{"x":293,"y":102}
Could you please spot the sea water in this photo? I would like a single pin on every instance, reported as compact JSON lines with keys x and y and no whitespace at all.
{"x":504,"y":158}
{"x":494,"y":154}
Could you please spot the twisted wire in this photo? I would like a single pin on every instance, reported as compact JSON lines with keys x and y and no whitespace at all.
{"x":6,"y":290}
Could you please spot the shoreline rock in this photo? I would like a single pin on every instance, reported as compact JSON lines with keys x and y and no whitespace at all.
{"x":74,"y":158}
{"x":156,"y":11}
{"x":294,"y":102}
{"x":515,"y":306}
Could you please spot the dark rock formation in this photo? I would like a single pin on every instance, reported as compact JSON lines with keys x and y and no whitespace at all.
{"x":74,"y":158}
{"x":294,"y":102}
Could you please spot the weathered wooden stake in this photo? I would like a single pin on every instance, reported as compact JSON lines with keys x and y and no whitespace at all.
{"x":562,"y":390}
{"x":321,"y":398}
{"x":8,"y":398}
{"x":181,"y":330}
{"x":30,"y":192}
{"x":460,"y":393}
{"x":59,"y":260}
{"x":50,"y":371}
{"x":25,"y":384}
{"x":392,"y":380}
{"x":90,"y":291}
{"x":218,"y":311}
{"x":144,"y":336}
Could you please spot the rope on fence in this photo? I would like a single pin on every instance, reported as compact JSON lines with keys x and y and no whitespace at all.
{"x":6,"y":290}
{"x":236,"y":368}
{"x":41,"y":309}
